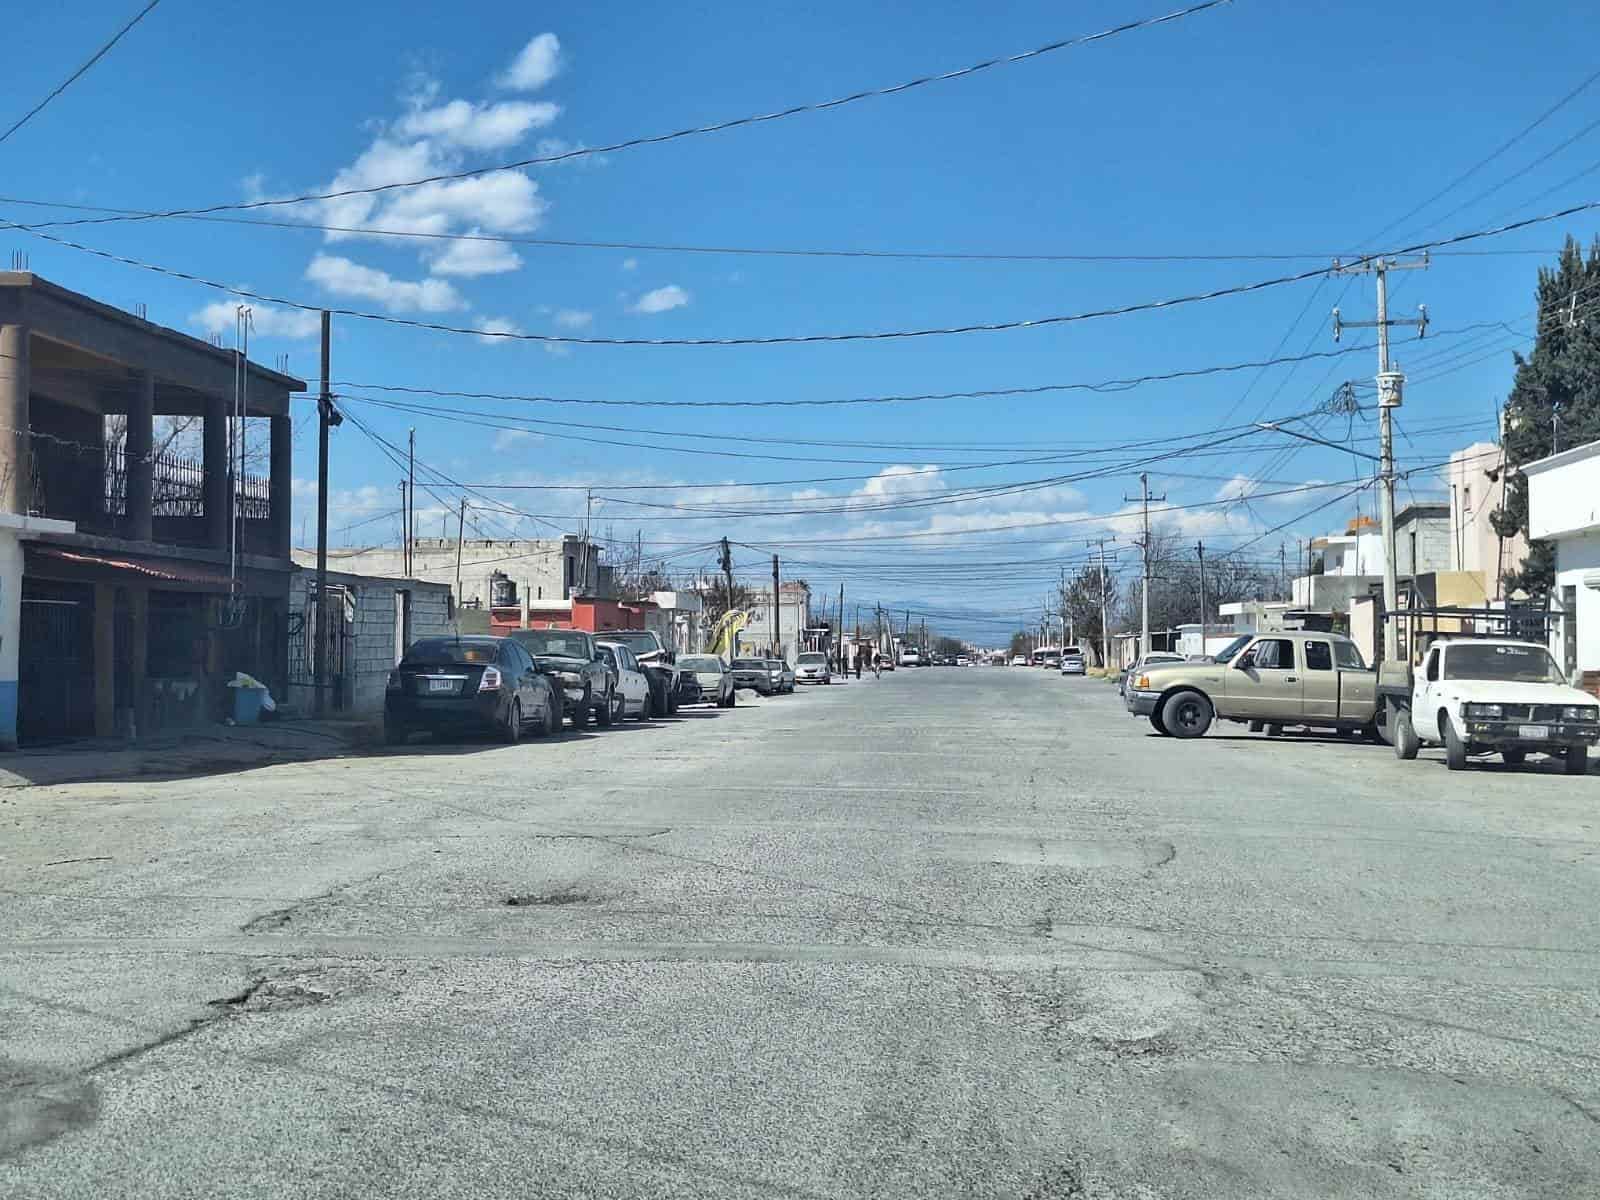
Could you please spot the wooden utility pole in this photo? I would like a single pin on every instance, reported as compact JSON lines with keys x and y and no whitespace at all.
{"x":727,"y":582}
{"x":411,"y":504}
{"x":1200,"y":553}
{"x":327,"y":417}
{"x":1144,"y":617}
{"x":777,"y":631}
{"x":1105,"y":630}
{"x":461,"y":540}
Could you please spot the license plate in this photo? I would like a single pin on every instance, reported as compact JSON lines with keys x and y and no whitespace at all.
{"x":441,"y":685}
{"x":1532,"y":732}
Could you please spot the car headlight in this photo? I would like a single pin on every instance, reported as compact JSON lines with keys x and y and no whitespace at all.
{"x":571,"y":677}
{"x":1142,"y":682}
{"x":1581,"y":712}
{"x":1483,"y":710}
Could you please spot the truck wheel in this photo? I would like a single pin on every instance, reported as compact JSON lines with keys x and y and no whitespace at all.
{"x":1455,"y":750}
{"x":1187,"y":715}
{"x":1155,"y":723}
{"x":1257,"y":726}
{"x":1384,"y":721}
{"x":1514,"y":758}
{"x":672,"y":702}
{"x":580,"y":711}
{"x":1577,"y":760}
{"x":1274,"y":730}
{"x":1406,"y":742}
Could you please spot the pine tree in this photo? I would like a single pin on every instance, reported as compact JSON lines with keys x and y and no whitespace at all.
{"x":1555,"y":399}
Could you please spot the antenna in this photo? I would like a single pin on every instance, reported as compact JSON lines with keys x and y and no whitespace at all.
{"x":142,"y":311}
{"x":19,"y":260}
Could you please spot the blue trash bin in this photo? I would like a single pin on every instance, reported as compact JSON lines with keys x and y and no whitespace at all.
{"x":247,"y":705}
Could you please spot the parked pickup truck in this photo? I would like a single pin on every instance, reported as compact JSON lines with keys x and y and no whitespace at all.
{"x":569,"y":657}
{"x":660,"y":667}
{"x":1496,"y":696}
{"x":1270,"y":681}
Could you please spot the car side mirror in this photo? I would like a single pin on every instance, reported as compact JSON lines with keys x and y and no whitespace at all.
{"x":1244,"y":662}
{"x":598,"y":657}
{"x":672,"y":657}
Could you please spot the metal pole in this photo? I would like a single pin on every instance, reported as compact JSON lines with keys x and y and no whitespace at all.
{"x":1144,"y":601}
{"x":1387,"y":401}
{"x":319,"y":667}
{"x":1200,"y":552}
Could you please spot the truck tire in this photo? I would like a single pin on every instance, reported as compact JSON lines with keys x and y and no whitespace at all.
{"x":580,"y":710}
{"x":1387,"y":715}
{"x":1514,"y":758}
{"x":1257,"y":726}
{"x":1155,"y":723}
{"x":672,"y":701}
{"x":1274,"y":730}
{"x":1577,"y":760}
{"x":1187,"y":714}
{"x":1455,"y":750}
{"x":1406,"y":742}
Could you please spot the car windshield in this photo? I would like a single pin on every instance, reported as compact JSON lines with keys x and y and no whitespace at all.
{"x":562,"y":642}
{"x":450,"y":652}
{"x":813,"y":658}
{"x":1232,"y":648}
{"x":701,"y":663}
{"x":749,"y":664}
{"x":1515,"y":664}
{"x":1072,"y":652}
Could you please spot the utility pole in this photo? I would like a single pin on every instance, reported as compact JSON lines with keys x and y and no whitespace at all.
{"x":411,"y":503}
{"x":1283,"y":569}
{"x":1105,"y":631}
{"x":777,"y":630}
{"x":461,"y":540}
{"x":727,"y":582}
{"x":1144,"y":544}
{"x":1200,"y":553}
{"x":1391,"y":384}
{"x":838,"y":639}
{"x":327,"y":417}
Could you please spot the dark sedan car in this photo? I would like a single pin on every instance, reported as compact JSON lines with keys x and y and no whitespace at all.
{"x":468,"y":684}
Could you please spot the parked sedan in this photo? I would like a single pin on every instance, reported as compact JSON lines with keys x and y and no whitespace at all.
{"x":713,"y":676}
{"x":812,"y":667}
{"x":753,"y":673}
{"x":468,"y":684}
{"x":631,"y":692}
{"x":782,"y":675}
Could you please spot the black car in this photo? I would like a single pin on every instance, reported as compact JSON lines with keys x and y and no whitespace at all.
{"x":571,"y":660}
{"x":468,"y":684}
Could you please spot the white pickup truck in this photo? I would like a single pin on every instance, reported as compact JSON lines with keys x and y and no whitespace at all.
{"x":1478,"y":696}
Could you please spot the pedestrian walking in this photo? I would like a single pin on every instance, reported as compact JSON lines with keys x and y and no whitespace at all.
{"x":858,"y":663}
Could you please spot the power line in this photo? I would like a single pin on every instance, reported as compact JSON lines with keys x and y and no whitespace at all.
{"x":802,"y":339}
{"x":76,"y":75}
{"x":693,"y":131}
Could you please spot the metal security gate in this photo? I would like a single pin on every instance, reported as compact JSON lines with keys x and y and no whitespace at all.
{"x":55,"y":667}
{"x":302,"y":634}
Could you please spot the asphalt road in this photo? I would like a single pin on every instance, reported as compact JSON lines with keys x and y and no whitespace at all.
{"x":951,"y":933}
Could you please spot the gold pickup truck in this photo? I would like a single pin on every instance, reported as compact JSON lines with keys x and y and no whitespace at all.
{"x":1271,"y":681}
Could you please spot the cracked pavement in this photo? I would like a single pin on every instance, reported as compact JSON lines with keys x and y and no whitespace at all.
{"x":949,"y":933}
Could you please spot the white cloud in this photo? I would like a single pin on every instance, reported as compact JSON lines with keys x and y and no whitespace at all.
{"x":573,"y":318}
{"x":507,"y":438}
{"x":478,"y":126}
{"x":535,"y":65}
{"x":266,"y":320}
{"x":343,"y":277}
{"x":662,"y":299}
{"x":471,"y":259}
{"x":494,"y":325}
{"x":630,"y":264}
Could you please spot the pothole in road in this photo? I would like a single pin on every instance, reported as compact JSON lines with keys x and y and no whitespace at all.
{"x":557,"y":896}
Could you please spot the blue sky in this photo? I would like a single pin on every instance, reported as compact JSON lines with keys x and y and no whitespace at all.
{"x":1255,"y":128}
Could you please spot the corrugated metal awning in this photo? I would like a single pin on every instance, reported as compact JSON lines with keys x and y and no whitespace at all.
{"x":165,"y":572}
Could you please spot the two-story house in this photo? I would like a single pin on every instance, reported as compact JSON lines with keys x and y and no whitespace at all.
{"x":134,"y":581}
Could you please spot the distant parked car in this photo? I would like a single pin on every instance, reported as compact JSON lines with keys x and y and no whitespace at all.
{"x":753,"y":673}
{"x":1018,"y":660}
{"x":782,"y":675}
{"x":568,"y":657}
{"x":962,"y":660}
{"x":812,"y":667}
{"x":658,"y":664}
{"x":468,"y":684}
{"x":1072,"y":661}
{"x":713,"y":676}
{"x":631,"y":691}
